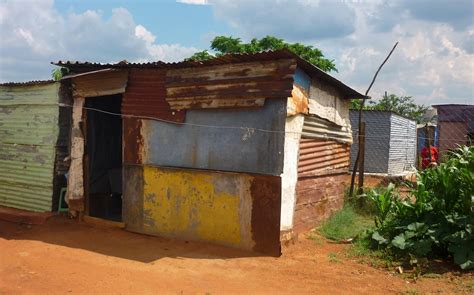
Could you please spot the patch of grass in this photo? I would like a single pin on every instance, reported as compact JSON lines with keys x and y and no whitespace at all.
{"x":317,"y":239}
{"x":376,"y":258}
{"x":470,"y":286}
{"x":431,"y":275}
{"x":333,"y":257}
{"x":344,"y":224}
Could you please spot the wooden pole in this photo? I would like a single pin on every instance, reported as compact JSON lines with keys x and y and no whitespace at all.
{"x":359,"y":155}
{"x":362,"y":158}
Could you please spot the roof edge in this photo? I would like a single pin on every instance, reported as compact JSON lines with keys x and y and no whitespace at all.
{"x":28,"y":83}
{"x":285,"y":53}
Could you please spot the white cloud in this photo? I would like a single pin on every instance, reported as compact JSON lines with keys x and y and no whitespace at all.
{"x":434,"y":61}
{"x":194,"y":2}
{"x":293,"y":20}
{"x":142,"y":33}
{"x":31,"y":38}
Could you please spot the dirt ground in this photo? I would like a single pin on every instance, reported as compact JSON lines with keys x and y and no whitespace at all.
{"x":63,"y":257}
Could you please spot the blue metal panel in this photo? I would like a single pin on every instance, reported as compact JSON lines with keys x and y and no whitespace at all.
{"x":216,"y":148}
{"x":302,"y":79}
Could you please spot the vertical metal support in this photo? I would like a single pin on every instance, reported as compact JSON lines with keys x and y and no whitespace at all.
{"x":362,"y":157}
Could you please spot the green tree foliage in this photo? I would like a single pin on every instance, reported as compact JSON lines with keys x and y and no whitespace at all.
{"x":402,"y":105}
{"x":224,"y":45}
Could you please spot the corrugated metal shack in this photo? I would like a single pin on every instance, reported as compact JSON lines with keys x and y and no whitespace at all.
{"x":455,"y":125}
{"x":391,"y":140}
{"x":33,"y":144}
{"x":211,"y":150}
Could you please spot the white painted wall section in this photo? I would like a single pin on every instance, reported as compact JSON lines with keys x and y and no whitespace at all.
{"x":289,"y":177}
{"x":326,"y":102}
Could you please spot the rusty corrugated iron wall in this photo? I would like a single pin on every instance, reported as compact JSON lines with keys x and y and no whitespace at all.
{"x":322,"y":178}
{"x":145,"y":96}
{"x":28,"y":137}
{"x":229,"y":86}
{"x":319,"y":157}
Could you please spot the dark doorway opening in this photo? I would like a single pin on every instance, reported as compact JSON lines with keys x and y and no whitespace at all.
{"x":104,"y":157}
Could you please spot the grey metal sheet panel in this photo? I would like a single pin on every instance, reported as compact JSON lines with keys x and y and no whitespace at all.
{"x":226,"y":149}
{"x":402,"y":155}
{"x":28,"y":135}
{"x":377,"y":142}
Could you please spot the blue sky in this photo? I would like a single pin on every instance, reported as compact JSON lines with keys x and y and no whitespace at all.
{"x":170,"y":21}
{"x":434,"y":62}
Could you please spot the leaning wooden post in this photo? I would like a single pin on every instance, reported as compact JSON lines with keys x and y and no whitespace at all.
{"x":356,"y":164}
{"x":362,"y":158}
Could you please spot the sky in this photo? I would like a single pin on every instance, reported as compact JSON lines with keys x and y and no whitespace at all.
{"x":433,"y":63}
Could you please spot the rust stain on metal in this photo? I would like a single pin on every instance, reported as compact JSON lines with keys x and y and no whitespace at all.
{"x":145,"y":96}
{"x":298,"y":102}
{"x":230,"y":85}
{"x":132,"y":141}
{"x":266,"y":206}
{"x":318,"y":155}
{"x":217,"y":103}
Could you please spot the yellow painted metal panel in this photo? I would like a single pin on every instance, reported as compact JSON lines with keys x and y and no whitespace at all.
{"x":199,"y":205}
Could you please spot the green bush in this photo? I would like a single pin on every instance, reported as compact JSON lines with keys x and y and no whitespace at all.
{"x":436,"y":219}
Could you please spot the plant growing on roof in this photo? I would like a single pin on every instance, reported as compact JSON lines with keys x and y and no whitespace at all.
{"x":224,"y":45}
{"x":58,"y":73}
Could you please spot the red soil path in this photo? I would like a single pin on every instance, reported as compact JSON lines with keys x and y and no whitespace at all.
{"x":63,"y":257}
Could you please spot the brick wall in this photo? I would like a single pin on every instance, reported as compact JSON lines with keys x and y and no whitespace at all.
{"x":317,"y":197}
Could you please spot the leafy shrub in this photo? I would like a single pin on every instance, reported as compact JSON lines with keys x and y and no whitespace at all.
{"x":436,"y":219}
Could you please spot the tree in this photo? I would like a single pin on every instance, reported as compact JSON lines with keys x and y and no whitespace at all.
{"x":402,"y":105}
{"x":224,"y":45}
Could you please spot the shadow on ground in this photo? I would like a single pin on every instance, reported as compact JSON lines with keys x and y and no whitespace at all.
{"x":61,"y":231}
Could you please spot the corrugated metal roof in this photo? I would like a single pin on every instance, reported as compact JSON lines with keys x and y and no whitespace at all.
{"x":455,"y":112}
{"x":28,"y":83}
{"x":77,"y":66}
{"x":28,"y":135}
{"x":382,"y":111}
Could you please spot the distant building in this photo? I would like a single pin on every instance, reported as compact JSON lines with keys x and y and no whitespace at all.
{"x":455,"y":125}
{"x":390,"y":146}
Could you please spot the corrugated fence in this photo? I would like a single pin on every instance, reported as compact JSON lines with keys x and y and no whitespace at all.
{"x":28,"y":135}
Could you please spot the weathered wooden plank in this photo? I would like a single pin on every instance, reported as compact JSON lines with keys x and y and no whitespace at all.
{"x":222,"y":86}
{"x":100,"y":84}
{"x":276,"y":69}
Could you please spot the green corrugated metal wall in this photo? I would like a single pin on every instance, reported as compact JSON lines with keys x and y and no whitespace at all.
{"x":28,"y":135}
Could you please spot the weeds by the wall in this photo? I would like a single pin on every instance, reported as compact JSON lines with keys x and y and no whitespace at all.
{"x":345,"y":224}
